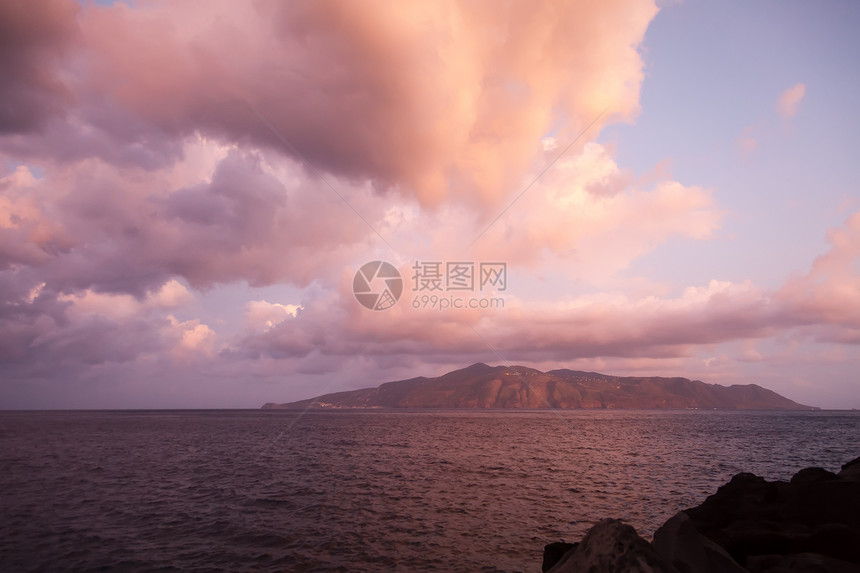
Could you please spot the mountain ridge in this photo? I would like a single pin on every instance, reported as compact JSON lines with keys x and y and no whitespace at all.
{"x":481,"y":386}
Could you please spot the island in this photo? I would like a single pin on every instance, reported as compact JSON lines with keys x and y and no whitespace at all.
{"x":481,"y":386}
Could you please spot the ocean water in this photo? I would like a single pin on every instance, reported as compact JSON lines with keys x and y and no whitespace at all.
{"x":368,"y":491}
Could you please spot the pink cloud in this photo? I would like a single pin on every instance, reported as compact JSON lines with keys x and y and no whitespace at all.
{"x":789,"y":101}
{"x":828,"y":296}
{"x":433,"y":101}
{"x":130,"y":231}
{"x":823,"y":305}
{"x":35,"y":39}
{"x":747,"y":142}
{"x":590,"y":214}
{"x":162,"y":151}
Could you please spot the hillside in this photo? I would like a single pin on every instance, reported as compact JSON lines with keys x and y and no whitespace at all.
{"x":481,"y":386}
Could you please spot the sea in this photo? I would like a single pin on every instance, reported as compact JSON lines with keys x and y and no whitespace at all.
{"x":269,"y":490}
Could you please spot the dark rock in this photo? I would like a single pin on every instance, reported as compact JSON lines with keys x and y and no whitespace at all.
{"x":836,"y":501}
{"x":553,"y":553}
{"x":746,"y":496}
{"x":798,"y":563}
{"x":744,"y":478}
{"x":809,"y":525}
{"x":812,"y":475}
{"x":836,"y":540}
{"x":851,"y":470}
{"x":688,"y":551}
{"x":612,"y":546}
{"x":817,"y":513}
{"x":852,"y":464}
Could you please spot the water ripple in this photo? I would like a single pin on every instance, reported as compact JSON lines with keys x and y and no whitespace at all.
{"x":350,"y":491}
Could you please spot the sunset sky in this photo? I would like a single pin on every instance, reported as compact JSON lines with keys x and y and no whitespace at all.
{"x":186,"y":194}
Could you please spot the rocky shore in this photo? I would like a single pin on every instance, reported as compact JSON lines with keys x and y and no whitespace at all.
{"x":810,"y":524}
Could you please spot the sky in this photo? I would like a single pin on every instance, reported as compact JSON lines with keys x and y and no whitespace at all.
{"x":189,"y":197}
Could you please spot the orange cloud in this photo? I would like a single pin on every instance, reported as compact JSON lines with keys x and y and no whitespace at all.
{"x":436,"y":101}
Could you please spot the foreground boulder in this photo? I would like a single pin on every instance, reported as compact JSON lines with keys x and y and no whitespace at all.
{"x":681,"y":544}
{"x":612,"y":546}
{"x":809,"y":524}
{"x":779,"y":526}
{"x":553,"y":553}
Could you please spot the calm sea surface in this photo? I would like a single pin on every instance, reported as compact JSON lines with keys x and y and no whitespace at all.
{"x":375,"y":491}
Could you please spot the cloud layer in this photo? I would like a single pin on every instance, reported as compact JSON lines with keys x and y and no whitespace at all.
{"x":155,"y":154}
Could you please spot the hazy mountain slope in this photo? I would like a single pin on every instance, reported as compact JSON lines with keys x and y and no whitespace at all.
{"x":482,"y":386}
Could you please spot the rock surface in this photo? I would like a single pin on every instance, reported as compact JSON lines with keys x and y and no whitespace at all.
{"x":612,"y":546}
{"x":680,"y":543}
{"x":553,"y":553}
{"x":810,"y":524}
